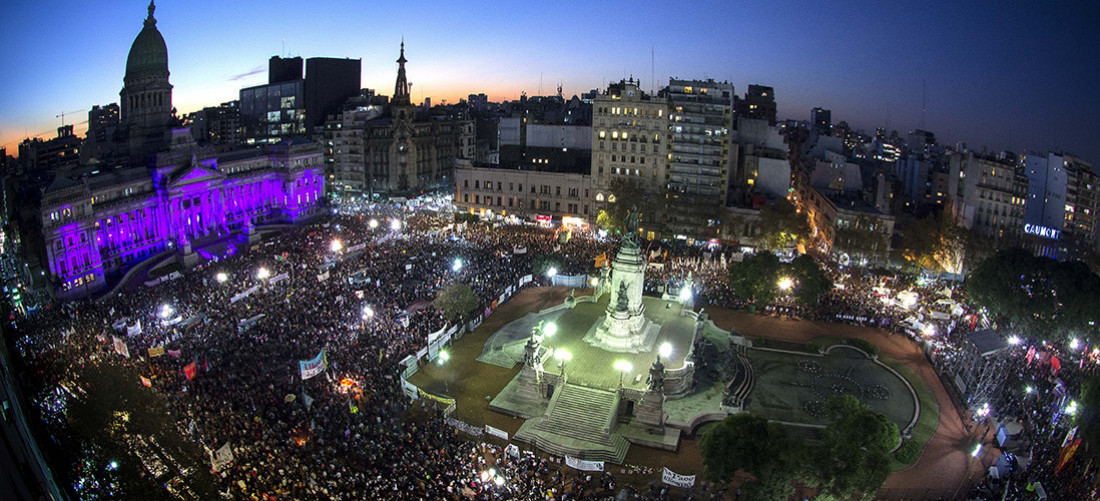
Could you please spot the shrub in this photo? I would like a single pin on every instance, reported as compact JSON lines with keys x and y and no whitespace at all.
{"x":865,"y":346}
{"x":908,"y":452}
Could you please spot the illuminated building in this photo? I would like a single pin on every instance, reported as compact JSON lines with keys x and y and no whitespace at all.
{"x":95,"y":228}
{"x":629,"y":139}
{"x":393,"y":148}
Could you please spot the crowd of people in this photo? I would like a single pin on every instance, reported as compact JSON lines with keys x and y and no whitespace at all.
{"x":344,"y":434}
{"x":358,"y":287}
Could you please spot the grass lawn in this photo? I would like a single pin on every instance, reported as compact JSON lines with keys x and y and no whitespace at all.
{"x":929,"y":418}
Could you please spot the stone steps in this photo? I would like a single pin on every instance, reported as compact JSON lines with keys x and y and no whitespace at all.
{"x":579,"y":422}
{"x":746,"y":377}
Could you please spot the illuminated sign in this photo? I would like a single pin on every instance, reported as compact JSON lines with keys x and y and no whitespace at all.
{"x":1041,"y":231}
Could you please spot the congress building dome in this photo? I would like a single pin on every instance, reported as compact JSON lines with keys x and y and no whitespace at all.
{"x":148,"y":54}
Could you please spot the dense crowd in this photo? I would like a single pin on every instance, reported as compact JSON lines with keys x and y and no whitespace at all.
{"x":347,"y":434}
{"x":343,"y":434}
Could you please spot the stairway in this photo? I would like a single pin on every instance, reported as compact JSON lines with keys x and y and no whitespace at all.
{"x":742,"y":384}
{"x":580,"y":423}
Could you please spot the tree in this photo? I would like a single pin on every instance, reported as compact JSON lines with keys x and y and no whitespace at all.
{"x":626,"y":193}
{"x":1038,"y":296}
{"x":782,"y":226}
{"x":1088,"y":417}
{"x":455,"y":301}
{"x":862,"y":240}
{"x":853,"y":459}
{"x":755,"y":278}
{"x":811,"y":281}
{"x":754,"y":445}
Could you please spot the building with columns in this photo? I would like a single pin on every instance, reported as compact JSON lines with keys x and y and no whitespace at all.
{"x":97,"y":226}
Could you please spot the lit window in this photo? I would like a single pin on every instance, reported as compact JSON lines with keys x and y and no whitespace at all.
{"x":603,"y":134}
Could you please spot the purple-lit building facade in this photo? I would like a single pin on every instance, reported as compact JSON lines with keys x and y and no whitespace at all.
{"x":175,"y":192}
{"x":99,"y":226}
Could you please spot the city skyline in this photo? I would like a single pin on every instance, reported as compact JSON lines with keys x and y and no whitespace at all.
{"x":868,"y":63}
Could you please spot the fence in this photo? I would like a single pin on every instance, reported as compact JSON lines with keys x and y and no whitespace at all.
{"x":444,"y":336}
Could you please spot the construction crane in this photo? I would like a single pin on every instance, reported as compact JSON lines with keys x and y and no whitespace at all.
{"x":63,"y":113}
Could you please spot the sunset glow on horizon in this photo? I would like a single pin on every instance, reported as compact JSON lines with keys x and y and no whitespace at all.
{"x":980,"y":88}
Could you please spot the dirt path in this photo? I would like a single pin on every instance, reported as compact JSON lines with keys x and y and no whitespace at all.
{"x":945,"y":462}
{"x":944,"y":465}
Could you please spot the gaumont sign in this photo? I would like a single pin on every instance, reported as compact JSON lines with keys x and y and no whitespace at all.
{"x":1041,"y":231}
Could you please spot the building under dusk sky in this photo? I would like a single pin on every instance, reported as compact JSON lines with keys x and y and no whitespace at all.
{"x":1007,"y":76}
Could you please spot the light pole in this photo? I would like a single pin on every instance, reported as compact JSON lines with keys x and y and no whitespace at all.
{"x":221,"y":277}
{"x":444,"y":356}
{"x":562,"y":355}
{"x":623,"y":367}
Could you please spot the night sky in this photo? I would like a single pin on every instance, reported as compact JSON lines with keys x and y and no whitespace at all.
{"x":1007,"y":75}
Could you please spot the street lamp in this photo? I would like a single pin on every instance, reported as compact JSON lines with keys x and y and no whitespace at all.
{"x":166,"y":311}
{"x":221,"y":277}
{"x":336,"y":245}
{"x":551,"y":272}
{"x":444,"y":356}
{"x":785,"y":284}
{"x":1074,"y":344}
{"x":373,"y":223}
{"x":395,"y":224}
{"x":263,"y":273}
{"x":457,"y":265}
{"x":1013,"y":340}
{"x":562,"y":355}
{"x":664,"y":351}
{"x":623,"y":367}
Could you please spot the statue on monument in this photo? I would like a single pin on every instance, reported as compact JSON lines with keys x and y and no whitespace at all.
{"x":624,"y":298}
{"x":630,"y":236}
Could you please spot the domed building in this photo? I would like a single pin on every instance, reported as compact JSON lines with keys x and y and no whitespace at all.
{"x":146,"y":96}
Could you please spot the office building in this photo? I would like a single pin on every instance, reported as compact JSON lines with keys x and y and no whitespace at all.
{"x":219,"y":125}
{"x":821,"y":120}
{"x":758,"y":103}
{"x":629,"y":139}
{"x":698,"y":169}
{"x":291,"y":107}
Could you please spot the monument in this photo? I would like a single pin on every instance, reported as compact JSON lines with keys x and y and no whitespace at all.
{"x":584,"y":389}
{"x":625,"y":328}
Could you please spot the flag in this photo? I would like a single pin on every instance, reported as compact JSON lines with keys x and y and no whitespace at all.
{"x":156,"y":352}
{"x":146,"y":381}
{"x":601,"y":260}
{"x":314,"y":366}
{"x":190,"y":370}
{"x":174,"y":353}
{"x":120,"y":347}
{"x":1067,"y":454}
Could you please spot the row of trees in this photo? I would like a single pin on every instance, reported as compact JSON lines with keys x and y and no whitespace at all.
{"x":852,"y":458}
{"x":1037,"y":296}
{"x":758,"y":278}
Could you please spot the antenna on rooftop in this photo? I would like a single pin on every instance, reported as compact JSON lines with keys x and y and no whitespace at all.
{"x":923,"y":101}
{"x":652,"y":69}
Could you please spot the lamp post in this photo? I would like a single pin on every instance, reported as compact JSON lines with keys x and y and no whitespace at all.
{"x":367,"y":315}
{"x":623,"y":367}
{"x":562,"y":355}
{"x":221,"y":277}
{"x":444,"y":356}
{"x":547,"y":332}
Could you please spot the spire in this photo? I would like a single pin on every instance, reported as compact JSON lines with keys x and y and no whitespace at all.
{"x":151,"y":20}
{"x":401,"y":90}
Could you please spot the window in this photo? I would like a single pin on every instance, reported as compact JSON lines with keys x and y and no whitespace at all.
{"x":465,"y":183}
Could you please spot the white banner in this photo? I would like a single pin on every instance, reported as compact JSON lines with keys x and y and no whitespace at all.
{"x":120,"y":347}
{"x":244,"y":294}
{"x":220,"y":459}
{"x":134,"y":330}
{"x":314,"y":366}
{"x":322,"y":277}
{"x":461,"y":425}
{"x":518,"y":250}
{"x":583,"y":465}
{"x":496,"y":432}
{"x":279,"y":278}
{"x":512,"y":450}
{"x":525,"y":280}
{"x":677,"y":480}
